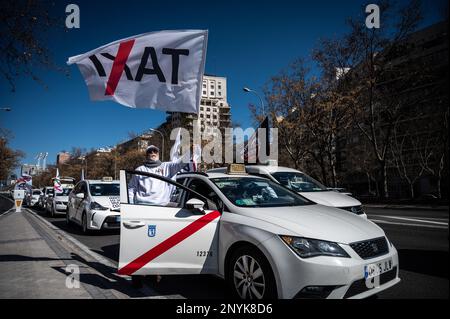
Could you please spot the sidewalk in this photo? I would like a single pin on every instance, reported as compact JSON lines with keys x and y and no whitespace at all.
{"x":34,"y":260}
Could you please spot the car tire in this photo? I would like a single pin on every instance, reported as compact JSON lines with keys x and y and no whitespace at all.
{"x":137,"y":281}
{"x":249,"y":275}
{"x":68,"y":222}
{"x":84,"y":226}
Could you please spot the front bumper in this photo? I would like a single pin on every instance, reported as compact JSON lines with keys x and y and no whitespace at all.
{"x":104,"y":219}
{"x":343,"y":276}
{"x":61,"y":207}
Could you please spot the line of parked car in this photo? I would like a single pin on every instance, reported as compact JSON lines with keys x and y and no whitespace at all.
{"x":92,"y":204}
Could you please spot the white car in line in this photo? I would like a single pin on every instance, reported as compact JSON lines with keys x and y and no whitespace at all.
{"x":305,"y":185}
{"x":34,"y":197}
{"x":46,"y":192}
{"x":95,"y":205}
{"x":265,"y":240}
{"x":57,"y":203}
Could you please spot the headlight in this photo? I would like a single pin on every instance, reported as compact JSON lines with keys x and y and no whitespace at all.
{"x":97,"y":206}
{"x":306,"y":247}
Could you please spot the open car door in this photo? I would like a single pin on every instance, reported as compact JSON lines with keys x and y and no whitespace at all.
{"x":170,"y":239}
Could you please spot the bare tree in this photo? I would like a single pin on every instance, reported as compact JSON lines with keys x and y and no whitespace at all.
{"x":9,"y":158}
{"x":22,"y":32}
{"x":371,"y":82}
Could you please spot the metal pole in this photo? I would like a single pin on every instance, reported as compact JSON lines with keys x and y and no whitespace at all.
{"x":260,"y":99}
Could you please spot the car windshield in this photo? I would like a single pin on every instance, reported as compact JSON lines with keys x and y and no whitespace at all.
{"x":257,"y":192}
{"x":65,"y":192}
{"x":105,"y":189}
{"x":299,"y":182}
{"x":50,"y":191}
{"x":36,"y":192}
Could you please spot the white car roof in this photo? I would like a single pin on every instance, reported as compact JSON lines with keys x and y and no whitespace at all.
{"x":99,"y":181}
{"x":216,"y":175}
{"x":259,"y":168}
{"x":270,"y":168}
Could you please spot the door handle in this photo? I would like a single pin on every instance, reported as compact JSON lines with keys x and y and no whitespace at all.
{"x":133,"y":224}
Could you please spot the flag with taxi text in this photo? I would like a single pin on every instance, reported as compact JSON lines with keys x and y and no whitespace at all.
{"x":158,"y":70}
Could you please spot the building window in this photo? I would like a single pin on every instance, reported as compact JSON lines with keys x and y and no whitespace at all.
{"x":201,"y":108}
{"x":220,"y":93}
{"x":201,"y":115}
{"x":212,"y":87}
{"x":204,"y":92}
{"x":220,"y":87}
{"x":208,"y":109}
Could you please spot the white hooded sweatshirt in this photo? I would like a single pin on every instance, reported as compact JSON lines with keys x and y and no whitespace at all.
{"x":151,"y":191}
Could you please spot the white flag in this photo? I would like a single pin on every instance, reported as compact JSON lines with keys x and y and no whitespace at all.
{"x":159,"y":70}
{"x":57,"y":183}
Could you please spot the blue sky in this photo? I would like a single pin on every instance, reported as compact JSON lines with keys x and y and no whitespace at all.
{"x":249,"y":41}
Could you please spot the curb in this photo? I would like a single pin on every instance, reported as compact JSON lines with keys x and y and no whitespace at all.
{"x":74,"y":243}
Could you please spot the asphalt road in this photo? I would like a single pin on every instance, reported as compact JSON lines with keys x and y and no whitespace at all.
{"x":5,"y":205}
{"x":420,"y":236}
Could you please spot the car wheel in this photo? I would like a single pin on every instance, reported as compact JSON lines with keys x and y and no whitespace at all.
{"x":84,"y":224}
{"x":250,"y":275}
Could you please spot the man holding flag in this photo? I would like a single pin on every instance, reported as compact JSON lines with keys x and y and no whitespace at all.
{"x":158,"y":70}
{"x":145,"y":190}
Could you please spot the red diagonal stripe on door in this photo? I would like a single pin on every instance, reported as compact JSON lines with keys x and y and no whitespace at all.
{"x":170,"y":242}
{"x":118,"y":66}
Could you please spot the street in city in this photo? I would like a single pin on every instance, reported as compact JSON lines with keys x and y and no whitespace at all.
{"x":420,"y":236}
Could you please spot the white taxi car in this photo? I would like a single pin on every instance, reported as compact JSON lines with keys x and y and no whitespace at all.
{"x":265,"y":240}
{"x":306,"y":186}
{"x":57,"y":203}
{"x":95,"y":205}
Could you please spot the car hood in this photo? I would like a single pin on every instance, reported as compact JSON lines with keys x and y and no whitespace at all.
{"x":319,"y":222}
{"x":331,"y":198}
{"x":107,"y":201}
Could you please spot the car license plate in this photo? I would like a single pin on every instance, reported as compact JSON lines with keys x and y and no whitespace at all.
{"x":117,"y":219}
{"x":378,"y":268}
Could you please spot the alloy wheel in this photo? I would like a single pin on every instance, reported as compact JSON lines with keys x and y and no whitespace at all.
{"x":249,"y":279}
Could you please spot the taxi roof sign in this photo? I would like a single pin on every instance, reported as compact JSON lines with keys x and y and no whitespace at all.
{"x":236,"y":169}
{"x":107,"y":179}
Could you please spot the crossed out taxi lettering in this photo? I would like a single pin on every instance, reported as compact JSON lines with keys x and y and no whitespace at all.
{"x":120,"y":65}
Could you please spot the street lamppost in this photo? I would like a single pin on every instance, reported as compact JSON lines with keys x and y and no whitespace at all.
{"x":84,"y":159}
{"x":246,"y":89}
{"x":162,"y":147}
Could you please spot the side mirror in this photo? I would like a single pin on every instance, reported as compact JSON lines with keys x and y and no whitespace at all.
{"x":80,"y":195}
{"x":195,"y":203}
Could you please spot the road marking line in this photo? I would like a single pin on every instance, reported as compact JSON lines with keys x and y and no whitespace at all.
{"x":413,"y":219}
{"x":407,"y":224}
